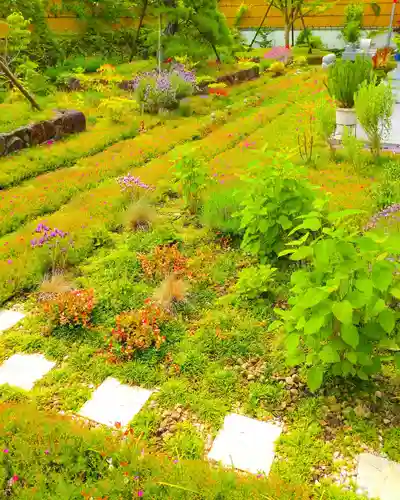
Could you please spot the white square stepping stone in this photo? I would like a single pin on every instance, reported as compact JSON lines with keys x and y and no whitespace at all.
{"x":378,"y":477}
{"x":113,"y":402}
{"x":246,"y":444}
{"x":9,"y":318}
{"x":23,"y":370}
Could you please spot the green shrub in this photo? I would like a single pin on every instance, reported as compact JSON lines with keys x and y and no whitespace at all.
{"x":190,"y":173}
{"x":374,"y":108}
{"x":218,"y":209}
{"x":387,"y":191}
{"x":274,"y":199}
{"x":326,"y":121}
{"x":345,"y":78}
{"x":341,"y":305}
{"x":255,"y":282}
{"x":353,"y":149}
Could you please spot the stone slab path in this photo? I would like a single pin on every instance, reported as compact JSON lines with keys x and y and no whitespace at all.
{"x":9,"y":318}
{"x":246,"y":444}
{"x":378,"y":477}
{"x":23,"y":370}
{"x":243,"y":443}
{"x":113,"y":403}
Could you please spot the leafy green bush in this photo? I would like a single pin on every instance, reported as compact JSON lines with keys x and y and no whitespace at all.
{"x":345,"y":78}
{"x":275,"y":197}
{"x":387,"y":191}
{"x":341,"y":312}
{"x":218,"y":209}
{"x":326,"y":121}
{"x":374,"y":108}
{"x":353,"y":149}
{"x":255,"y":282}
{"x":190,"y":173}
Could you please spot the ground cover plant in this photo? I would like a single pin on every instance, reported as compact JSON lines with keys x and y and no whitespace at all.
{"x":203,"y":256}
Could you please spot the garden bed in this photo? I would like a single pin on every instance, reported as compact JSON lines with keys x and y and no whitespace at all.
{"x":64,"y":123}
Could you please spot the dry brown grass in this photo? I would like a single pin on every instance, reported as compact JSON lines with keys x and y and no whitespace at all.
{"x":171,"y":291}
{"x":140,"y":216}
{"x":54,"y":285}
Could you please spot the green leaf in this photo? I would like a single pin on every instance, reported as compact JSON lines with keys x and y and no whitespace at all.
{"x":302,"y":253}
{"x":314,"y":324}
{"x":315,"y":377}
{"x":285,"y":222}
{"x":292,"y":341}
{"x":352,"y":357}
{"x":379,"y":306}
{"x":397,"y":359}
{"x":299,"y":242}
{"x":343,"y":311}
{"x":365,"y":286}
{"x":335,"y":216}
{"x":362,"y":375}
{"x":395,"y":292}
{"x":382,"y":275}
{"x":357,"y":299}
{"x":329,"y":355}
{"x":313,"y":296}
{"x":288,"y":251}
{"x":313,"y":224}
{"x":349,"y":334}
{"x":387,"y":320}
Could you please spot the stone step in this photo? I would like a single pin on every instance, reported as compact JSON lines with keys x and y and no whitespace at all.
{"x":9,"y":318}
{"x":378,"y":477}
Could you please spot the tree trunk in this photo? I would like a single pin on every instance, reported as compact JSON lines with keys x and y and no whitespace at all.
{"x":135,"y":42}
{"x":4,"y":68}
{"x":287,"y":34}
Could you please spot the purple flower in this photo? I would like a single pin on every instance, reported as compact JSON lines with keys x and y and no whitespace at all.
{"x":6,"y":450}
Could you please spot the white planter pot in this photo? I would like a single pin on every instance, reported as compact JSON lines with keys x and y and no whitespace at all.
{"x":365,"y":44}
{"x":345,"y":118}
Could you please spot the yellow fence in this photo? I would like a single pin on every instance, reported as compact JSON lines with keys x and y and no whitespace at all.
{"x":332,"y":18}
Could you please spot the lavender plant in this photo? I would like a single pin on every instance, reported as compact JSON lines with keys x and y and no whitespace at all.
{"x":56,"y":241}
{"x":157,"y":90}
{"x":133,"y":186}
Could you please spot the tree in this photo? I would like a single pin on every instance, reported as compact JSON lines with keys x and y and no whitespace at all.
{"x":292,"y":10}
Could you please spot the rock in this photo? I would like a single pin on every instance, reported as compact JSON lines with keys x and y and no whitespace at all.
{"x":294,"y":392}
{"x":386,"y":421}
{"x":328,"y":60}
{"x":378,"y":394}
{"x":38,"y":133}
{"x":2,"y":144}
{"x":289,"y":380}
{"x":49,"y":130}
{"x":24,"y":134}
{"x":15,"y":144}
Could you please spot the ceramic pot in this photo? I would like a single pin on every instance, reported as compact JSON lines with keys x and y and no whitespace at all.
{"x":345,"y":117}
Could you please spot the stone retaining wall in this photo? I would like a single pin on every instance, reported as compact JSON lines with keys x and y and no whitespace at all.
{"x":64,"y":123}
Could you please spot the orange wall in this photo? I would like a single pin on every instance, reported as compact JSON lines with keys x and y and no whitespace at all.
{"x":331,"y":18}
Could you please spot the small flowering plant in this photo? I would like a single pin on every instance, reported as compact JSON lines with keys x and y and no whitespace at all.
{"x":56,"y":241}
{"x":162,"y":90}
{"x":137,"y":330}
{"x":71,"y":309}
{"x":133,"y":186}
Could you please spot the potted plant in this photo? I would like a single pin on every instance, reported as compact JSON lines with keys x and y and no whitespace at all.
{"x":354,"y":14}
{"x":344,"y":79}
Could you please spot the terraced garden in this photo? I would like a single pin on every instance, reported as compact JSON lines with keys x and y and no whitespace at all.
{"x":146,"y":262}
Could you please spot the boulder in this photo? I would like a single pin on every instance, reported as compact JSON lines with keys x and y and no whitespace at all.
{"x":328,"y":60}
{"x":38,"y":133}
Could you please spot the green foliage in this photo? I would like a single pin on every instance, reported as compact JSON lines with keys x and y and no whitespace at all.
{"x":190,"y":173}
{"x":255,"y":282}
{"x":387,"y":191}
{"x":218,"y":209}
{"x":306,"y":37}
{"x":118,"y":109}
{"x":264,"y":40}
{"x":326,"y":121}
{"x":354,"y":14}
{"x":374,"y":108}
{"x":345,"y":78}
{"x":275,"y":197}
{"x":353,"y":149}
{"x":186,"y":443}
{"x":341,"y":312}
